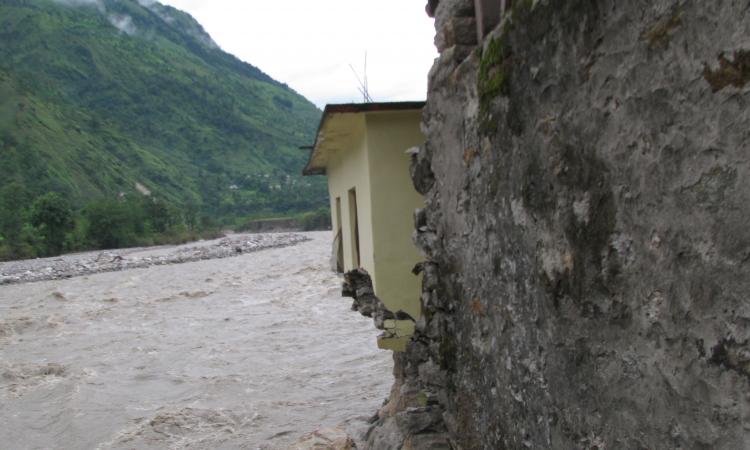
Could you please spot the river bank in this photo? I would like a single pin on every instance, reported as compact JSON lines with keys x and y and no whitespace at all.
{"x":88,"y":263}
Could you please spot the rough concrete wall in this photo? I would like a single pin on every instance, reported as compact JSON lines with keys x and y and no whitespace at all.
{"x":587,"y":230}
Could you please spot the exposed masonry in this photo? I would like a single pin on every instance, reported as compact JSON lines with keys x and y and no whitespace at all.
{"x":586,"y":231}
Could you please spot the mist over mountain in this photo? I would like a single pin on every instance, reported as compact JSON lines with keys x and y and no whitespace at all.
{"x":103,"y":98}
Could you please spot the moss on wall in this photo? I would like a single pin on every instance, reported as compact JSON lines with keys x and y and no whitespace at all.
{"x":731,"y":72}
{"x":494,"y":79}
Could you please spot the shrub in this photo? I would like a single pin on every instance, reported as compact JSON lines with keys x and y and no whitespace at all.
{"x":317,"y":220}
{"x":52,"y":215}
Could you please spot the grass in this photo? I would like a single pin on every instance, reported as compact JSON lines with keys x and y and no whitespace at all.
{"x":493,"y":80}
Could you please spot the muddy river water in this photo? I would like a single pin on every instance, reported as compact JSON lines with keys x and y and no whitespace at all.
{"x":244,"y":352}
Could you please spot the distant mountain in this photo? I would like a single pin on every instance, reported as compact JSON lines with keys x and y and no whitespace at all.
{"x":103,"y":97}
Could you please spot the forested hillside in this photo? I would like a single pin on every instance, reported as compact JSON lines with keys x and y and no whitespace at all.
{"x":110,"y":99}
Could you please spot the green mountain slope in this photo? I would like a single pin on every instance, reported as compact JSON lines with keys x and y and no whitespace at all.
{"x":97,"y":96}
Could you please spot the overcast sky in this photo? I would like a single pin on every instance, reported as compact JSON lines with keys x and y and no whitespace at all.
{"x":309,"y":44}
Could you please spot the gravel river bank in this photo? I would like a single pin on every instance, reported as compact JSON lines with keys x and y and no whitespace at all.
{"x":246,"y":352}
{"x":88,"y":263}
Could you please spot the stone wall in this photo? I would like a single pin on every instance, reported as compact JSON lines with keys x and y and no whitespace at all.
{"x":587,"y":232}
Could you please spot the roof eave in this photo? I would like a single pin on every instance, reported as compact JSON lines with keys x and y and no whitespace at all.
{"x":308,"y":171}
{"x":352,"y":108}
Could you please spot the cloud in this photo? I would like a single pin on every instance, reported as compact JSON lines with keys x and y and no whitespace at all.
{"x":202,"y":37}
{"x":123,"y":23}
{"x":310,"y":48}
{"x":165,"y":13}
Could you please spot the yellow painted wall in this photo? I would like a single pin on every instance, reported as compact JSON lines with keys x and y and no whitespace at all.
{"x":394,"y":199}
{"x":348,"y":168}
{"x":367,"y":151}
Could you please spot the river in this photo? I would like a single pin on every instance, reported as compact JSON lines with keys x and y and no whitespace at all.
{"x":244,"y":352}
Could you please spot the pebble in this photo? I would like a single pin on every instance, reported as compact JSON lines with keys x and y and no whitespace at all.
{"x":74,"y":265}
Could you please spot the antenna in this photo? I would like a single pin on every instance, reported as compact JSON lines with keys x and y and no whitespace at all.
{"x":363,"y":88}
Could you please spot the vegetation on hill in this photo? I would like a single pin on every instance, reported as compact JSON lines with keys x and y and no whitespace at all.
{"x":49,"y":225}
{"x":130,"y":100}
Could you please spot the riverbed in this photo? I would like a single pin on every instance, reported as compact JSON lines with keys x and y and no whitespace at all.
{"x":250,"y":351}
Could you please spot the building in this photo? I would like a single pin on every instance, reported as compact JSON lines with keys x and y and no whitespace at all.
{"x":362,"y":148}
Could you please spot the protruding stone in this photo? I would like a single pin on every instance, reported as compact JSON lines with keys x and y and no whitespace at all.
{"x":325,"y":439}
{"x":431,"y":7}
{"x":421,"y":172}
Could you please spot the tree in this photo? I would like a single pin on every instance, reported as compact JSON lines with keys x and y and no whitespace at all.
{"x":111,"y":223}
{"x":159,"y":215}
{"x":14,"y":200}
{"x":53,"y":216}
{"x":191,"y":216}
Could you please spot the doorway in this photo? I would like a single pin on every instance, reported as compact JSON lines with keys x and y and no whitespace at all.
{"x":338,"y":242}
{"x":354,"y":224}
